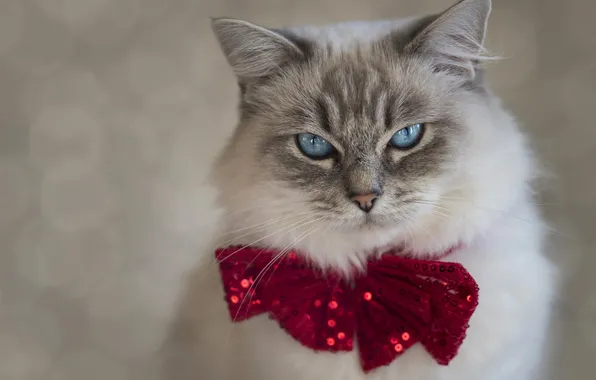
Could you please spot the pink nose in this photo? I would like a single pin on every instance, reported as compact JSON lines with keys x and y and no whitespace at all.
{"x":365,"y":201}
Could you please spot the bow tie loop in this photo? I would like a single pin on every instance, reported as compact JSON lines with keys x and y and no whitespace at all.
{"x":314,"y":309}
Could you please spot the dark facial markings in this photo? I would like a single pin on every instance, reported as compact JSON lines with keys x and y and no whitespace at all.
{"x":325,"y":121}
{"x":354,"y":91}
{"x":422,"y":162}
{"x":293,"y":167}
{"x":356,"y":103}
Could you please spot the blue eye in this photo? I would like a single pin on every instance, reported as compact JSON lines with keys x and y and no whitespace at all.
{"x":407,"y":137}
{"x":314,"y":146}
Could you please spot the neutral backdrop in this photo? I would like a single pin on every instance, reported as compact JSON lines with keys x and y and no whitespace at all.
{"x":111,"y":112}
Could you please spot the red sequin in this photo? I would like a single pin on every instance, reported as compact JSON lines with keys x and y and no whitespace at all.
{"x":419,"y":301}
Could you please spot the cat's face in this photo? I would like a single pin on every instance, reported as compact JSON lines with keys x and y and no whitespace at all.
{"x":387,"y":136}
{"x":362,"y":141}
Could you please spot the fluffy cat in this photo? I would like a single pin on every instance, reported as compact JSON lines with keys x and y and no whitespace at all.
{"x":361,"y":137}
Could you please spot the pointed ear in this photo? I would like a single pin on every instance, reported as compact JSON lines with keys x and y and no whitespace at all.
{"x":252,"y":50}
{"x":453,"y":41}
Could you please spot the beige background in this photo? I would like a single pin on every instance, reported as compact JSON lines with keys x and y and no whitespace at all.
{"x":110,"y":114}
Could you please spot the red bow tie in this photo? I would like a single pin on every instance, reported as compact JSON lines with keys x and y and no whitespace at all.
{"x":395,"y":304}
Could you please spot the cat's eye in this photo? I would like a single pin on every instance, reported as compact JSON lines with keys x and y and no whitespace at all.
{"x":407,"y":137}
{"x":314,"y":146}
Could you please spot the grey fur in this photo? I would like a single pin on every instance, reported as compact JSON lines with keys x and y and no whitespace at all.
{"x":356,"y":97}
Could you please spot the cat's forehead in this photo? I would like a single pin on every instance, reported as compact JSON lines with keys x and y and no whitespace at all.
{"x":355,"y":91}
{"x":353,"y":80}
{"x":359,"y":64}
{"x":355,"y":95}
{"x":345,"y":36}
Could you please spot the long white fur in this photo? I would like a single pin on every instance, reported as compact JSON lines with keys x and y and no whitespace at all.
{"x":503,"y":236}
{"x":488,"y":207}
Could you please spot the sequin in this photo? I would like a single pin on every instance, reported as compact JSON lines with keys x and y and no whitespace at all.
{"x":415,"y":300}
{"x":292,"y":255}
{"x":244,"y":283}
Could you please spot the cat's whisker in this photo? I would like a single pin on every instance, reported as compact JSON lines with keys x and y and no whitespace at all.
{"x":400,"y":220}
{"x":429,"y":234}
{"x":441,"y":216}
{"x":444,"y":195}
{"x":440,"y":211}
{"x":259,"y":226}
{"x":393,"y":216}
{"x":289,"y":228}
{"x":409,"y":231}
{"x":237,"y":238}
{"x":233,"y":214}
{"x":260,"y":207}
{"x":281,"y":253}
{"x":277,"y":257}
{"x":288,"y":248}
{"x":256,"y":280}
{"x":453,"y":200}
{"x":508,"y":214}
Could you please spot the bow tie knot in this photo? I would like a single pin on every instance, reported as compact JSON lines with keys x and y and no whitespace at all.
{"x":395,"y":304}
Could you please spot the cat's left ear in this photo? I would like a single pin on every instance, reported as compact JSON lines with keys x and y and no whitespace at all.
{"x":454,"y":40}
{"x":252,"y":50}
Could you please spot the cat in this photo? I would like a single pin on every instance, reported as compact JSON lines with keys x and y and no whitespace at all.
{"x":363,"y":137}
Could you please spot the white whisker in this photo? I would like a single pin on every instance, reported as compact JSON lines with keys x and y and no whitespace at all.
{"x":277,"y":258}
{"x":289,"y":228}
{"x":261,"y":225}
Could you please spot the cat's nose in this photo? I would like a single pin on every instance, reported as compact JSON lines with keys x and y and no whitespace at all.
{"x":365,"y":201}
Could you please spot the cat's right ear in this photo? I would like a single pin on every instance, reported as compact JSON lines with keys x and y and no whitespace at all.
{"x":252,"y":50}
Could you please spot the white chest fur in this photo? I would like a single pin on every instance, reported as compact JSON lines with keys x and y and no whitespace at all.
{"x":503,"y":342}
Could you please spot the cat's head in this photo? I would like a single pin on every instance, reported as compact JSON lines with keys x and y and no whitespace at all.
{"x":363,"y":135}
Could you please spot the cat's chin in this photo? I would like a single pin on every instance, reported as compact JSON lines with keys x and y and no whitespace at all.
{"x":371,"y":222}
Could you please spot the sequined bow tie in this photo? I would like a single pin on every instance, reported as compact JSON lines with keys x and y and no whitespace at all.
{"x":397,"y":303}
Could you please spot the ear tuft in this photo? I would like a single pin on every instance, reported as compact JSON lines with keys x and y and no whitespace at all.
{"x":454,"y":41}
{"x":252,"y":50}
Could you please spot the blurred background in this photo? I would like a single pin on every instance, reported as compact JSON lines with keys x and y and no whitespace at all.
{"x":111,"y":112}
